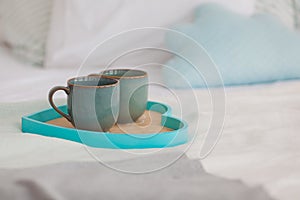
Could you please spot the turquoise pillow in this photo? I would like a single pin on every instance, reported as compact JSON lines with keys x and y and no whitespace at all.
{"x":245,"y":50}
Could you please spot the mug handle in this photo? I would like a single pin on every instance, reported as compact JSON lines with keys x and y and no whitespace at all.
{"x":50,"y":98}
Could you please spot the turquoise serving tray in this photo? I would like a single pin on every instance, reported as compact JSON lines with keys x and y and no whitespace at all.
{"x":36,"y":124}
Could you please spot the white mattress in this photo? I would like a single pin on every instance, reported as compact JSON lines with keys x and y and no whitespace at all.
{"x":260,"y":143}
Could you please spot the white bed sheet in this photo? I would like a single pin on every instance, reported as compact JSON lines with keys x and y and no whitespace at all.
{"x":260,"y":143}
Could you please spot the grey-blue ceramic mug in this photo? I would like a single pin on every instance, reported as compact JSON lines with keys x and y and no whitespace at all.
{"x":93,"y":102}
{"x":133,"y":92}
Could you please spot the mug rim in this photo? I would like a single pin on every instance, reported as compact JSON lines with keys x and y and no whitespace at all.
{"x":93,"y":86}
{"x":145,"y":74}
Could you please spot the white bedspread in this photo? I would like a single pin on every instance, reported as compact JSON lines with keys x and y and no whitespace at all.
{"x":260,"y":142}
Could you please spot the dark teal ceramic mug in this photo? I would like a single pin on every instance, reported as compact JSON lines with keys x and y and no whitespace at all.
{"x":93,"y":102}
{"x":133,"y":92}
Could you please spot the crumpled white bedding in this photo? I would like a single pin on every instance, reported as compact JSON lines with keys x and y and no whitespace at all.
{"x":260,"y":143}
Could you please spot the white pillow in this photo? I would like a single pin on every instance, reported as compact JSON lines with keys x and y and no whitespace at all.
{"x":24,"y":27}
{"x":78,"y":26}
{"x":288,"y":11}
